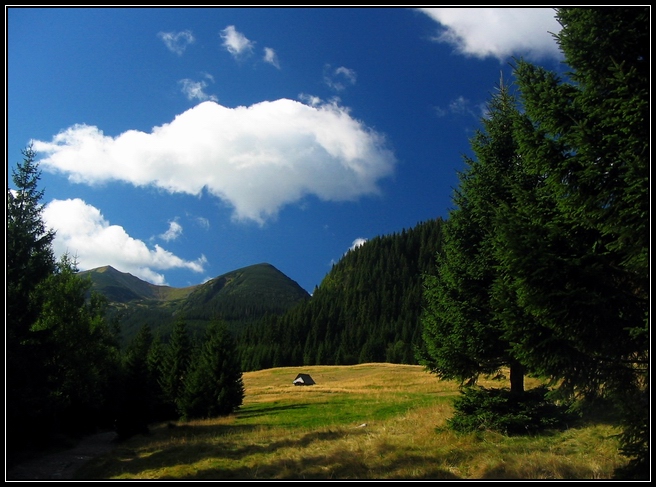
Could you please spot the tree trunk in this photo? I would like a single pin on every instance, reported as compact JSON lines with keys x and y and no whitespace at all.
{"x":516,"y":378}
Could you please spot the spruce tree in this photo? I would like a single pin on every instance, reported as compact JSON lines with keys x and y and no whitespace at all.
{"x":29,"y":261}
{"x":139,"y":389}
{"x":175,"y":364}
{"x":155,"y":362}
{"x":214,"y":385}
{"x":577,"y":250}
{"x":463,"y":329}
{"x":29,"y":255}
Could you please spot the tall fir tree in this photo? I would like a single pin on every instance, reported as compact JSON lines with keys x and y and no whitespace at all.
{"x":155,"y":361}
{"x":139,"y":389}
{"x":463,"y":330}
{"x":214,"y":386}
{"x":29,"y":255}
{"x":578,"y":249}
{"x":29,"y":261}
{"x":175,"y":365}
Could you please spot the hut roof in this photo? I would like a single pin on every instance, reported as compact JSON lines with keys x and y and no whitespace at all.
{"x":303,"y":380}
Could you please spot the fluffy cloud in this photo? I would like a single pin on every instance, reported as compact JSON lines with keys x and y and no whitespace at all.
{"x":271,"y":57}
{"x":174,"y":231}
{"x":498,"y":32}
{"x":357,"y":242}
{"x":82,"y":232}
{"x":235,"y":42}
{"x":177,"y":42}
{"x":257,"y":159}
{"x":195,"y":90}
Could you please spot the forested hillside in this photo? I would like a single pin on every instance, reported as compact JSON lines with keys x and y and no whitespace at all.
{"x":236,"y":297}
{"x":366,"y":309}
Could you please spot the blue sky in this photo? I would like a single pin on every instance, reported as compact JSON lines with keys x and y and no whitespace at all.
{"x":178,"y":144}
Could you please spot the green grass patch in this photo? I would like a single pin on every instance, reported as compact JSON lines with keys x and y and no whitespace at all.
{"x":322,"y":410}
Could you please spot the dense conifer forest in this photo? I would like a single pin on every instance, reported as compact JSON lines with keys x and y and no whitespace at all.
{"x":366,"y":309}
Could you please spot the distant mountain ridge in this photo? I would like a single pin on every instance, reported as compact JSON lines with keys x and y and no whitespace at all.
{"x":123,"y":287}
{"x":241,"y":295}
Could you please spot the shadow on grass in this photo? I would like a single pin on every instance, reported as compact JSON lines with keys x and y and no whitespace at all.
{"x":341,"y":465}
{"x":200,"y":444}
{"x":197,"y":443}
{"x":250,"y":412}
{"x":598,"y":411}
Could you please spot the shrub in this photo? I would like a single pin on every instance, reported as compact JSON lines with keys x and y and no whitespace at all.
{"x":500,"y":410}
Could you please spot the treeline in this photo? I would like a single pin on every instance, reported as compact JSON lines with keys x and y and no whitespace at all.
{"x":236,"y":312}
{"x":366,"y":309}
{"x":184,"y":378}
{"x":66,"y":373}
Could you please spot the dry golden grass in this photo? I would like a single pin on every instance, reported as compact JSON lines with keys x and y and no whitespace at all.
{"x":380,"y":421}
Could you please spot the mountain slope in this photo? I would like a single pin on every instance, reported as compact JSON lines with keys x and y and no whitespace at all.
{"x":121,"y":287}
{"x":238,"y":296}
{"x":248,"y":292}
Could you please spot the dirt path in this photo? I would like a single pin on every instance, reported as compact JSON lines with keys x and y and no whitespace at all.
{"x":62,"y":465}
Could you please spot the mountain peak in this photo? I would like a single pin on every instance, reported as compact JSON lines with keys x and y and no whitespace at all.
{"x":105,"y":268}
{"x":238,"y":296}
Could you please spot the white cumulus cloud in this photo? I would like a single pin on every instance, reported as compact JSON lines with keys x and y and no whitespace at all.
{"x":257,"y":158}
{"x":83,"y":233}
{"x":498,"y":32}
{"x":357,"y":243}
{"x":311,"y":100}
{"x":235,"y":42}
{"x":195,"y":90}
{"x":174,"y":231}
{"x":177,"y":42}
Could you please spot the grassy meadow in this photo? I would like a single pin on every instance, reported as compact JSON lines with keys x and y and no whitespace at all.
{"x":368,"y":421}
